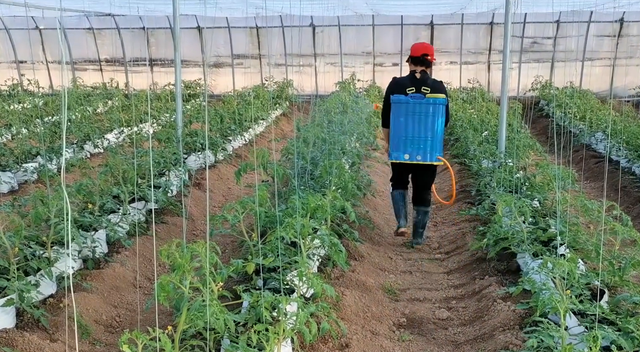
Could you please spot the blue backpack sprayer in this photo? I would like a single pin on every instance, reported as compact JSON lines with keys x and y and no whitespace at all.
{"x":417,"y":132}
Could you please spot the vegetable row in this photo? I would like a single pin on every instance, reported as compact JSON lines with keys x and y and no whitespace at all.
{"x":272,"y":296}
{"x":100,"y":117}
{"x":578,"y":256}
{"x":611,"y":130}
{"x":56,"y":230}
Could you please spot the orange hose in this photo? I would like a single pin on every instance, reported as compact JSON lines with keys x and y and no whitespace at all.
{"x":453,"y":184}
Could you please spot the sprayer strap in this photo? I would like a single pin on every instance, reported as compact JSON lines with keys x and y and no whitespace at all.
{"x":424,"y":89}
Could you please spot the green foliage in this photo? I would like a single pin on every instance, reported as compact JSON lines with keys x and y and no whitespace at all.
{"x":131,"y":172}
{"x":533,"y":206}
{"x":581,"y":111}
{"x":301,"y":215}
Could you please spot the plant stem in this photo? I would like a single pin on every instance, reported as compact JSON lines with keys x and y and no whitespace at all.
{"x":183,"y":317}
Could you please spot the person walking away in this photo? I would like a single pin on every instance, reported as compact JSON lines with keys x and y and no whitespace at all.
{"x":422,"y":176}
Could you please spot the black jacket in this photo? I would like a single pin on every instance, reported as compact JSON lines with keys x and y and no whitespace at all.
{"x":399,"y":85}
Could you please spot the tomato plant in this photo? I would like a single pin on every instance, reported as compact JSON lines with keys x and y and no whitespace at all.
{"x":286,"y":227}
{"x":611,"y":130}
{"x":533,"y":206}
{"x":128,"y":173}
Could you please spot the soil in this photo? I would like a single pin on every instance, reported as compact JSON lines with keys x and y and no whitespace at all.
{"x":621,"y":186}
{"x":441,"y":297}
{"x":114,"y":298}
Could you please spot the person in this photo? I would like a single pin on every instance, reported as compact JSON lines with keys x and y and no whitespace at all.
{"x":422,"y":176}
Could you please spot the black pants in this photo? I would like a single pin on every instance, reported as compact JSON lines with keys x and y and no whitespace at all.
{"x":422,"y":178}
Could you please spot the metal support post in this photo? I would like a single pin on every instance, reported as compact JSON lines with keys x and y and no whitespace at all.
{"x":524,"y":31}
{"x":69,"y":51}
{"x":259,"y":50}
{"x":44,"y":53}
{"x":202,"y":54}
{"x":553,"y":55}
{"x":504,"y":89}
{"x":315,"y":55}
{"x":341,"y":53}
{"x":149,"y":55}
{"x":373,"y":47}
{"x":584,"y":48}
{"x":124,"y":54}
{"x":401,"y":42}
{"x":233,"y":62}
{"x":615,"y":55}
{"x":493,"y":18}
{"x":177,"y":64}
{"x":95,"y":42}
{"x":461,"y":46}
{"x":432,"y":31}
{"x":15,"y":52}
{"x":284,"y":47}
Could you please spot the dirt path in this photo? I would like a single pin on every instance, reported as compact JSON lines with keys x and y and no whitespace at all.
{"x":622,"y":188}
{"x":439,"y":298}
{"x":113,"y":299}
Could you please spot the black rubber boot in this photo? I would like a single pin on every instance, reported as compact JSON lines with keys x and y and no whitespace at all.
{"x":399,"y":201}
{"x":420,"y":222}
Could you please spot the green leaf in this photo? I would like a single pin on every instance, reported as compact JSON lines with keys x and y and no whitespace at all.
{"x":324,"y":328}
{"x":251,"y":266}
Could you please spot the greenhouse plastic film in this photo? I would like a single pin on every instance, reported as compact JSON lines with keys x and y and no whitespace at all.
{"x":45,"y":285}
{"x":94,"y":244}
{"x":7,"y":313}
{"x":200,"y":160}
{"x":8,"y":182}
{"x":467,"y":45}
{"x":28,"y":172}
{"x":68,"y":260}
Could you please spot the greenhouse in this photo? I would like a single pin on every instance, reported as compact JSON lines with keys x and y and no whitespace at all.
{"x":596,"y":50}
{"x":199,"y":176}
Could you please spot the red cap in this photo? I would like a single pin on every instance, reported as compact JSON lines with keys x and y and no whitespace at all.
{"x":422,"y":48}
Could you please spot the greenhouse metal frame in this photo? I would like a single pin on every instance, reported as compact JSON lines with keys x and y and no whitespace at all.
{"x":623,"y":25}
